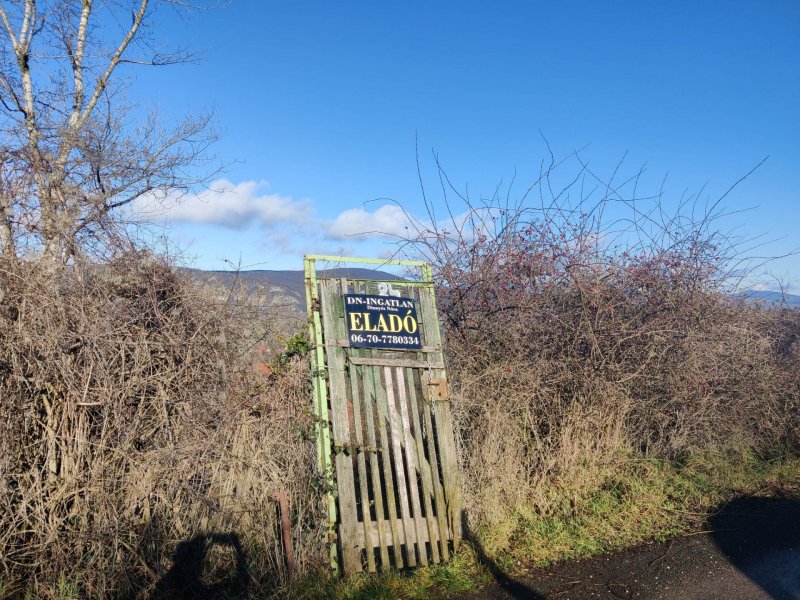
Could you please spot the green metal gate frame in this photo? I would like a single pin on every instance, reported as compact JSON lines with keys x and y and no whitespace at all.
{"x":319,"y":372}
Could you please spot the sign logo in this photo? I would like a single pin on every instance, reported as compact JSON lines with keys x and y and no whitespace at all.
{"x":381,"y":322}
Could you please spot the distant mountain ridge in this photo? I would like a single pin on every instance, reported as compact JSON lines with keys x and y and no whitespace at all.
{"x":287,"y":288}
{"x":771,"y":298}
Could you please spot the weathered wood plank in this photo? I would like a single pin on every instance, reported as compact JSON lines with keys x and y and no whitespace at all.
{"x":443,"y":418}
{"x":386,"y":458}
{"x":361,"y":462}
{"x":345,"y":343}
{"x":395,"y":362}
{"x":438,"y":489}
{"x":349,"y":539}
{"x":374,"y":459}
{"x":396,"y":429}
{"x":375,"y":531}
{"x":375,"y":492}
{"x":433,"y":456}
{"x":411,"y":462}
{"x":426,"y":475}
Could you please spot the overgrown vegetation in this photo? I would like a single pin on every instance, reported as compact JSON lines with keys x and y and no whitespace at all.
{"x":590,"y":330}
{"x":611,"y":386}
{"x":135,"y":440}
{"x":608,"y":388}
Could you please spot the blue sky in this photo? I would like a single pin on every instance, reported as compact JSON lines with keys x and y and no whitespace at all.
{"x":320,"y":105}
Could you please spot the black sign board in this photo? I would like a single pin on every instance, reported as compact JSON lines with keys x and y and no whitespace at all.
{"x":381,"y":322}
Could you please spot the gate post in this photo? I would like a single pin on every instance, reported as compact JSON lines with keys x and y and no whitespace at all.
{"x":320,"y":391}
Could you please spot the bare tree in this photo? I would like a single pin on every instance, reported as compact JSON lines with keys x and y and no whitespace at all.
{"x":71,"y":149}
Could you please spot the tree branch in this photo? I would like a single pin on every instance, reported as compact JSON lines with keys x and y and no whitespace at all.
{"x":102,"y":82}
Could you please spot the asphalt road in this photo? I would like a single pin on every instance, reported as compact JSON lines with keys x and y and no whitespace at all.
{"x":749,"y":550}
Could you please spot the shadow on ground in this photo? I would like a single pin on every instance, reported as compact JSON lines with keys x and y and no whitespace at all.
{"x":761,"y":538}
{"x":514,"y":588}
{"x":749,"y":549}
{"x":207,"y":567}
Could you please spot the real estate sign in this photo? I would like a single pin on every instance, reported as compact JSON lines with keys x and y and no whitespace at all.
{"x":381,"y":322}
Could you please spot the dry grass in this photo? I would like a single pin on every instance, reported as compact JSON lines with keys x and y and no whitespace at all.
{"x":131,"y":422}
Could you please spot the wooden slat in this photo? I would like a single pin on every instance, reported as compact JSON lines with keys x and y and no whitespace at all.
{"x":444,"y":420}
{"x":426,"y":475}
{"x":386,"y":457}
{"x":346,"y":344}
{"x":396,"y":429}
{"x":375,"y":530}
{"x":452,"y":478}
{"x":374,"y":459}
{"x":375,"y":491}
{"x":411,"y":463}
{"x":348,"y":528}
{"x":396,"y":362}
{"x":438,"y":490}
{"x":362,"y":466}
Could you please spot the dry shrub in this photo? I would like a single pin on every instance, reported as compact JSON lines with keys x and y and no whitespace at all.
{"x":131,"y":422}
{"x":577,"y":341}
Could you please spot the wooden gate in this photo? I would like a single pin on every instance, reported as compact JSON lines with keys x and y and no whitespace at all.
{"x":385,"y":432}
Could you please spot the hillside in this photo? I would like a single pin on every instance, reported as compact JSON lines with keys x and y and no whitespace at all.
{"x":768,"y":297}
{"x":284,"y":289}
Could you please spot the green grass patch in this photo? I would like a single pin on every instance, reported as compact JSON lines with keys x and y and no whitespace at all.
{"x":462,"y":574}
{"x":641,"y":500}
{"x":65,"y":588}
{"x":646,"y":499}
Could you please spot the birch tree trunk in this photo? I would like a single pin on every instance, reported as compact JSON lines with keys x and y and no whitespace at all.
{"x":77,"y":159}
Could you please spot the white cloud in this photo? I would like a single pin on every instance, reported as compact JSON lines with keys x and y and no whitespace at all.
{"x":280,"y":224}
{"x":388,"y":220}
{"x":228,"y":204}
